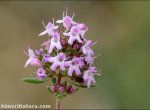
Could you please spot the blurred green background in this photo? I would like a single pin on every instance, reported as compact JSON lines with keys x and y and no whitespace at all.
{"x":122,"y":29}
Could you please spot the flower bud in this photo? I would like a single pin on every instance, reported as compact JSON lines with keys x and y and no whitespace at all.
{"x":70,"y":90}
{"x":41,"y":74}
{"x":75,"y":46}
{"x":62,"y":89}
{"x":53,"y":88}
{"x":63,"y":42}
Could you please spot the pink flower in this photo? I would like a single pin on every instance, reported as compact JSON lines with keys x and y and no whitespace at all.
{"x":83,"y":28}
{"x":49,"y":29}
{"x":67,"y":21}
{"x":58,"y":61}
{"x":86,"y":49}
{"x":33,"y":60}
{"x":62,"y":89}
{"x":55,"y":42}
{"x":74,"y":34}
{"x":89,"y":76}
{"x":46,"y":44}
{"x":75,"y":65}
{"x":53,"y":88}
{"x":70,"y":90}
{"x":41,"y":74}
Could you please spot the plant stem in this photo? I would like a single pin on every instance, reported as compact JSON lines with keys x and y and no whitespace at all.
{"x":57,"y":104}
{"x":57,"y":99}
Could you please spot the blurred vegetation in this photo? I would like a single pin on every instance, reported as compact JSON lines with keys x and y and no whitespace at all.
{"x":122,"y":29}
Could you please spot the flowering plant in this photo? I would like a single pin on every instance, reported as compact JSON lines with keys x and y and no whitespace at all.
{"x":66,"y":58}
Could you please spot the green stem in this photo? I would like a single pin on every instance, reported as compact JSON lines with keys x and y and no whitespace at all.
{"x":57,"y":104}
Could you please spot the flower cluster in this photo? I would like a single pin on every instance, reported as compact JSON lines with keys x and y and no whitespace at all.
{"x":66,"y":54}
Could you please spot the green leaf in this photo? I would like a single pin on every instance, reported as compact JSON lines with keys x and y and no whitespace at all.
{"x":64,"y":83}
{"x":35,"y":80}
{"x":49,"y":89}
{"x":59,"y":96}
{"x":54,"y":80}
{"x":80,"y":85}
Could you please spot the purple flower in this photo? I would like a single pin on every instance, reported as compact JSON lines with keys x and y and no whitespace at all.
{"x":41,"y":74}
{"x":49,"y":29}
{"x":53,"y":88}
{"x":62,"y":89}
{"x":33,"y":60}
{"x":74,"y":34}
{"x":45,"y":58}
{"x":70,"y":90}
{"x":83,"y":28}
{"x":89,"y":76}
{"x":46,"y":44}
{"x":55,"y":42}
{"x":75,"y":65}
{"x":86,"y":49}
{"x":67,"y":21}
{"x":57,"y":61}
{"x":38,"y":52}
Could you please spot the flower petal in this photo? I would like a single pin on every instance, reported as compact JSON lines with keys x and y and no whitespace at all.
{"x":27,"y":62}
{"x":54,"y":66}
{"x":77,"y":70}
{"x":71,"y":40}
{"x":70,"y":71}
{"x":43,"y":33}
{"x":59,"y":21}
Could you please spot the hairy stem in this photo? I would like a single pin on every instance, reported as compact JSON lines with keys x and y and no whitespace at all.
{"x":57,"y":99}
{"x":57,"y":104}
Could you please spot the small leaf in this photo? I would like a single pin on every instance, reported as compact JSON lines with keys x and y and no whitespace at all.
{"x":77,"y":89}
{"x":81,"y":85}
{"x":49,"y":89}
{"x":35,"y":80}
{"x":54,"y":80}
{"x":64,"y":83}
{"x":59,"y":96}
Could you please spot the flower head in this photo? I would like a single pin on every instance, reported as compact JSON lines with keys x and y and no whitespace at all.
{"x":66,"y":54}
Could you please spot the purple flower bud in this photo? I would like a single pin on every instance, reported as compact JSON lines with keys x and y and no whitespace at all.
{"x":76,"y":46}
{"x":62,"y":89}
{"x":45,"y":58}
{"x":41,"y":74}
{"x":38,"y":52}
{"x":70,"y":90}
{"x":63,"y":42}
{"x":53,"y":88}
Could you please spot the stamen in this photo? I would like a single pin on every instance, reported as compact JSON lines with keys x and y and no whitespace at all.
{"x":53,"y":21}
{"x":26,"y":54}
{"x":73,"y":15}
{"x":94,"y":43}
{"x":43,"y":24}
{"x":63,"y":14}
{"x":97,"y":56}
{"x":66,"y":10}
